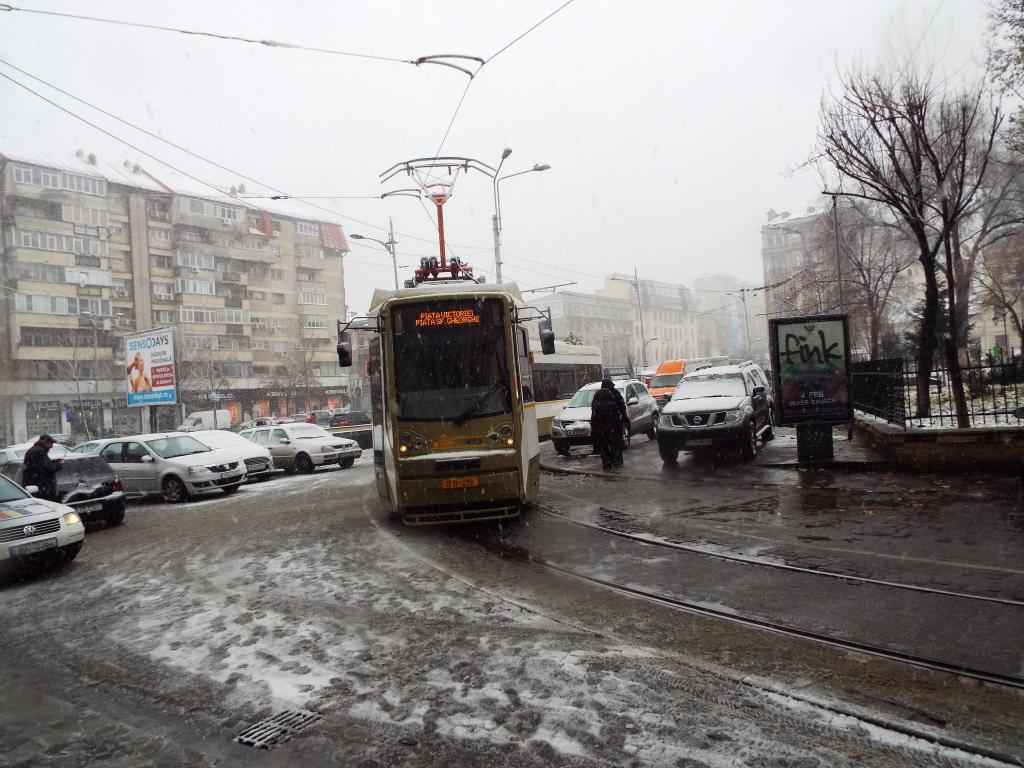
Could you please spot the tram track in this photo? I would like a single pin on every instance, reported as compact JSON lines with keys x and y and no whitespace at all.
{"x":521,"y":554}
{"x":657,"y":541}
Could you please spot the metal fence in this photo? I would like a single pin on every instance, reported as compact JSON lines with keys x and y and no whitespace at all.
{"x":888,"y":389}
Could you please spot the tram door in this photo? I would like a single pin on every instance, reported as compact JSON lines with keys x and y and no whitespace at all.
{"x":377,"y":417}
{"x":530,"y":448}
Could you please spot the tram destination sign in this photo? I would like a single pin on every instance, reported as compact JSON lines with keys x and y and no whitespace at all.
{"x":811,"y":369}
{"x":443,"y":317}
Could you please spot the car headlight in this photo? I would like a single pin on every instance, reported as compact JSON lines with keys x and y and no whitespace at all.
{"x":731,"y":417}
{"x":666,"y":419}
{"x":72,"y":518}
{"x":198,"y":470}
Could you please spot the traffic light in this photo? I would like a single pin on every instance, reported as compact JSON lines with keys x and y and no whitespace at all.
{"x":344,"y":351}
{"x":547,"y":336}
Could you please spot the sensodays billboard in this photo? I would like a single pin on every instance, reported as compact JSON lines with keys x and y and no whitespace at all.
{"x":811,"y":358}
{"x":149,"y":357}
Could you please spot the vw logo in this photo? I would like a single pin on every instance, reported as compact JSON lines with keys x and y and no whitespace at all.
{"x":697,"y":419}
{"x":28,"y":530}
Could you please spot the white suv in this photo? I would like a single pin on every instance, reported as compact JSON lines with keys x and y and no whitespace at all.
{"x":304,"y":446}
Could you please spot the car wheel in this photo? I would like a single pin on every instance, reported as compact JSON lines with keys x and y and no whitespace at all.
{"x":228,"y":490}
{"x":561,"y":447}
{"x":750,"y":443}
{"x":626,"y":438}
{"x":346,"y":463}
{"x":652,"y":433}
{"x":174,"y":490}
{"x":669,"y":455}
{"x":304,"y":464}
{"x":70,"y":552}
{"x":769,"y":434}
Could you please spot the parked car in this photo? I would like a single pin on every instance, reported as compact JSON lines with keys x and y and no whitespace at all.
{"x":572,"y":425}
{"x":87,"y":484}
{"x":350,"y":419}
{"x":172,"y":464}
{"x":258,"y":461}
{"x":715,"y":407}
{"x":304,"y":446}
{"x":16,"y":452}
{"x":32,"y":528}
{"x":219,"y":419}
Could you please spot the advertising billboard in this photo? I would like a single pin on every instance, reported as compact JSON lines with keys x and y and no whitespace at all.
{"x":811,"y":369}
{"x":152,"y":377}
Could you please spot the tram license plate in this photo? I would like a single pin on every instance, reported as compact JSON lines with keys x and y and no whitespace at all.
{"x":450,"y":483}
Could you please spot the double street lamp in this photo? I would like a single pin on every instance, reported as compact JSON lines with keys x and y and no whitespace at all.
{"x":496,"y":219}
{"x":389,"y":246}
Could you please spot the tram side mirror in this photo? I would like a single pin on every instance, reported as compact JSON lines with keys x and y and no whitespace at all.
{"x":344,"y":352}
{"x":547,"y":336}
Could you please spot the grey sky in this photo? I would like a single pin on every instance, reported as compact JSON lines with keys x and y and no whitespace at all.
{"x":669,"y":125}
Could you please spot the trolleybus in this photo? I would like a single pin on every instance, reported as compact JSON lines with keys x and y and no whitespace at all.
{"x":452,"y":400}
{"x":557,"y":377}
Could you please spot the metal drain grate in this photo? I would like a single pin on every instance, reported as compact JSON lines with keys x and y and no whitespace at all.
{"x":277,"y":729}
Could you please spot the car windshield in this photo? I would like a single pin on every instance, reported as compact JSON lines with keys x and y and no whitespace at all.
{"x":9,"y":491}
{"x":308,"y":430}
{"x":450,"y":360}
{"x":711,"y":385}
{"x":170,"y":447}
{"x":76,"y":470}
{"x":583,"y":398}
{"x":666,"y":380}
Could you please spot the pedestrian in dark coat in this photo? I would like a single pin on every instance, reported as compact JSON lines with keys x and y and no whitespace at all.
{"x":40,"y":470}
{"x":606,"y":423}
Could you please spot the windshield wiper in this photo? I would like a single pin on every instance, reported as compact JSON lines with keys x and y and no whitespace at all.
{"x":462,"y":417}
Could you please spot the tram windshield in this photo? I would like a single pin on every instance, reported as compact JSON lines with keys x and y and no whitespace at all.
{"x":450,"y":360}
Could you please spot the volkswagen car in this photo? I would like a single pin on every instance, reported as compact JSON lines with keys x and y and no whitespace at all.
{"x":571,"y":426}
{"x":33,"y":528}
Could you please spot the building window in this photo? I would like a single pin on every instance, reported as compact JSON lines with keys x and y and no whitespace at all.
{"x":194,"y":259}
{"x":280,"y":346}
{"x":224,"y":240}
{"x":306,"y":228}
{"x":163,"y":316}
{"x":201,"y":342}
{"x":277,"y":274}
{"x":158,"y":234}
{"x":258,"y":322}
{"x":201,"y":287}
{"x":161,"y":261}
{"x":312,"y":297}
{"x":88,"y":185}
{"x":304,"y":251}
{"x":80,"y":214}
{"x":277,"y":298}
{"x":40,"y":177}
{"x":190,"y":236}
{"x":226,"y":212}
{"x":115,"y":228}
{"x":197,"y":206}
{"x":306,"y":275}
{"x":315,"y":321}
{"x":257,"y":344}
{"x":278,"y":323}
{"x":197,"y":315}
{"x":254,"y":218}
{"x":255,"y":295}
{"x":254,"y":244}
{"x":275,"y":249}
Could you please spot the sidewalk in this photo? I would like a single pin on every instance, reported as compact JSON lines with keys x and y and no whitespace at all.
{"x":856,"y":454}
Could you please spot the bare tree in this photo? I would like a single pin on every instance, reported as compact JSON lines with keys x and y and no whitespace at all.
{"x":1001,"y":278}
{"x":923,"y":155}
{"x":202,"y":372}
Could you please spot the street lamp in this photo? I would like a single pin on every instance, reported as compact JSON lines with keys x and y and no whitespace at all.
{"x":644,"y":351}
{"x":496,"y":219}
{"x":742,"y":296}
{"x":389,"y":246}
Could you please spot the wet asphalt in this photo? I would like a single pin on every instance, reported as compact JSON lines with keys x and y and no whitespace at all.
{"x":426,"y":647}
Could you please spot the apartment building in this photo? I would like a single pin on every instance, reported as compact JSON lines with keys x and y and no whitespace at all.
{"x":668,"y":313}
{"x":787,"y":249}
{"x":95,"y":250}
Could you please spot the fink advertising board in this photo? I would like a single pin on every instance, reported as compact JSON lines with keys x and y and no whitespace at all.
{"x":811,"y":362}
{"x":151,"y":373}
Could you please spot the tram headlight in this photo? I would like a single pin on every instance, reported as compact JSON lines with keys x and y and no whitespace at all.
{"x":409,"y":441}
{"x":510,"y":441}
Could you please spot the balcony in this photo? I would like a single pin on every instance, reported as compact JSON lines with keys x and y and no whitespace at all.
{"x":85,"y":260}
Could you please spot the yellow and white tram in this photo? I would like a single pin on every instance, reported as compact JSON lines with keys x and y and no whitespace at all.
{"x":452,"y":398}
{"x":557,"y":377}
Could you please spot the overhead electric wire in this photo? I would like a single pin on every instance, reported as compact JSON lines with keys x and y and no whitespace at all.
{"x":524,"y":34}
{"x":200,"y":33}
{"x":180,"y":148}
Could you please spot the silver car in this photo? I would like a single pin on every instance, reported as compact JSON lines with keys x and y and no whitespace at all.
{"x":571,"y":426}
{"x":172,"y":464}
{"x":304,"y":446}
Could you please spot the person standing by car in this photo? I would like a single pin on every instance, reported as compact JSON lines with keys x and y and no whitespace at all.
{"x":40,"y":470}
{"x":607,"y":420}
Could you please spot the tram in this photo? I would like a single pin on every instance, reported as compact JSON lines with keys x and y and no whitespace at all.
{"x":452,"y":399}
{"x":557,"y":377}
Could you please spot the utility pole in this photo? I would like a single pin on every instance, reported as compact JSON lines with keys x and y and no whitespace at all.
{"x":496,"y":227}
{"x":839,"y":258}
{"x":640,"y":307}
{"x":391,"y":249}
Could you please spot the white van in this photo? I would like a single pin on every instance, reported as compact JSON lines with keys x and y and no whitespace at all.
{"x":220,"y":419}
